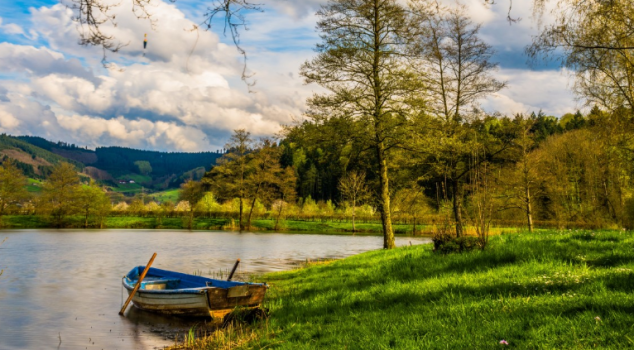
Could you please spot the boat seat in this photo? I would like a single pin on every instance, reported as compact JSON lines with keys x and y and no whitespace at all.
{"x":159,"y":283}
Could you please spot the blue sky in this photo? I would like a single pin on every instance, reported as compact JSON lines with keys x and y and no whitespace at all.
{"x":185,"y":93}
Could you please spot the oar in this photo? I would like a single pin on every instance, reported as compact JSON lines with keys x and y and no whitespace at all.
{"x":138,"y":284}
{"x":233,"y":270}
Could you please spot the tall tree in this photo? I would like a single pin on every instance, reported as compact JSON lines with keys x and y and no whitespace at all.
{"x":265,"y":175}
{"x":228,"y":177}
{"x":12,"y":186}
{"x":286,"y":192}
{"x":361,"y":61}
{"x":59,"y":192}
{"x":521,"y":183}
{"x":456,"y":65}
{"x":192,"y":192}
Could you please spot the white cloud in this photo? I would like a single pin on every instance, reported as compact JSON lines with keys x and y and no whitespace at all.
{"x":184,"y":91}
{"x":530,"y":91}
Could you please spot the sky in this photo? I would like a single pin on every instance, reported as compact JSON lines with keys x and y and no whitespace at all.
{"x":184,"y":93}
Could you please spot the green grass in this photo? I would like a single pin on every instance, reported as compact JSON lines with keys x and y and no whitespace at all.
{"x":34,"y":185}
{"x":553,"y":290}
{"x":338,"y":228}
{"x":169,"y":195}
{"x":127,"y":188}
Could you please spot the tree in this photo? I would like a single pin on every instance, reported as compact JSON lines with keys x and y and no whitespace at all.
{"x":361,"y":61}
{"x":228,"y":177}
{"x":456,"y":66}
{"x":191,"y":192}
{"x":520,"y":183}
{"x":265,"y":175}
{"x":596,"y":40}
{"x":208,"y":203}
{"x":286,"y":192}
{"x":353,"y":188}
{"x":411,"y":201}
{"x":91,"y":200}
{"x":144,"y":166}
{"x":12,"y":186}
{"x":59,"y":192}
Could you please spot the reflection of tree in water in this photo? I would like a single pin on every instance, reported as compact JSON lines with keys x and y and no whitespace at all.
{"x":1,"y":271}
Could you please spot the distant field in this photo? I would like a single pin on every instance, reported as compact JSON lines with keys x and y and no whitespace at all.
{"x":34,"y":185}
{"x":169,"y":195}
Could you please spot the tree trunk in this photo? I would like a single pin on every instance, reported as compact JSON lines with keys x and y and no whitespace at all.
{"x":240,"y":219}
{"x":529,"y":213}
{"x":354,"y":209}
{"x":279,"y":214}
{"x":457,"y":207}
{"x":86,"y":220}
{"x":386,"y":219}
{"x":255,"y":197}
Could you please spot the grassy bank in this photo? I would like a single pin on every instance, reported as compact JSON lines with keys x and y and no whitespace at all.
{"x":553,"y":290}
{"x":118,"y":222}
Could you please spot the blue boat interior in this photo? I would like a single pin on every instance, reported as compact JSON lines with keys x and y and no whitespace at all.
{"x":164,"y":281}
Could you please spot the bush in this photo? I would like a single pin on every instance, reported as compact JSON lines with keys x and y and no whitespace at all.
{"x":446,"y":242}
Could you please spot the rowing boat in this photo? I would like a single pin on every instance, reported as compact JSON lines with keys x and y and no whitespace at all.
{"x":182,"y":294}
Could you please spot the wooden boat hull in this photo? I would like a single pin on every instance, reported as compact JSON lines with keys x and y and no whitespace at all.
{"x":201,"y":297}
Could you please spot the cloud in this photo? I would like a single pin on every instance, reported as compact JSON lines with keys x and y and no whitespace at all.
{"x":530,"y":91}
{"x":181,"y":95}
{"x":184,"y":91}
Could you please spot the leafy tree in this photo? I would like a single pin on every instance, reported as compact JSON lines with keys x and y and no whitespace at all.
{"x":59,"y":193}
{"x":361,"y":62}
{"x":12,"y":186}
{"x":228,"y":177}
{"x":91,"y":200}
{"x":520,"y":183}
{"x":208,"y":203}
{"x":286,"y":192}
{"x":457,"y":68}
{"x":191,"y":192}
{"x":265,"y":174}
{"x":144,"y":167}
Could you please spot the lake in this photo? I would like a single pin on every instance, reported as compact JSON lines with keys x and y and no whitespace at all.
{"x":61,"y":289}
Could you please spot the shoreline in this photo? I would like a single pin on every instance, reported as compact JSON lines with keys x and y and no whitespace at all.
{"x":17,"y":222}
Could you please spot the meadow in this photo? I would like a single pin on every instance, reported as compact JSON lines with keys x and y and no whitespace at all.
{"x":203,"y":223}
{"x":551,"y":289}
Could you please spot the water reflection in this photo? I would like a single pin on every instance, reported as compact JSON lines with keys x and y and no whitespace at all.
{"x":61,"y":289}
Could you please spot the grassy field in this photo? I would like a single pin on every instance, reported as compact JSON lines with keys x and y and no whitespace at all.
{"x":552,"y":290}
{"x":34,"y":221}
{"x":34,"y":185}
{"x":170,"y":195}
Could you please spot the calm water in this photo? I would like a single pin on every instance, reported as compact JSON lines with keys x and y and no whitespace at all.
{"x":61,"y":289}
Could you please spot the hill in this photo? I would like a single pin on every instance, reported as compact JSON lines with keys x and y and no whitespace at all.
{"x":34,"y":161}
{"x":123,"y":168}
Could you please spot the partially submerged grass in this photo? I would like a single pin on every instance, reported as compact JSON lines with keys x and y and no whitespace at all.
{"x":552,"y":290}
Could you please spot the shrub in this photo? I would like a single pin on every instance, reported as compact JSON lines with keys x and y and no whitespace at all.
{"x":446,"y":242}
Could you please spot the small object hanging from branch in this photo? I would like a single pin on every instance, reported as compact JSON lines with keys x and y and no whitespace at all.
{"x":90,"y":15}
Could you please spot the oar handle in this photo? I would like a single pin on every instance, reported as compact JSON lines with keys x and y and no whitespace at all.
{"x":235,"y":266}
{"x":138,"y":284}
